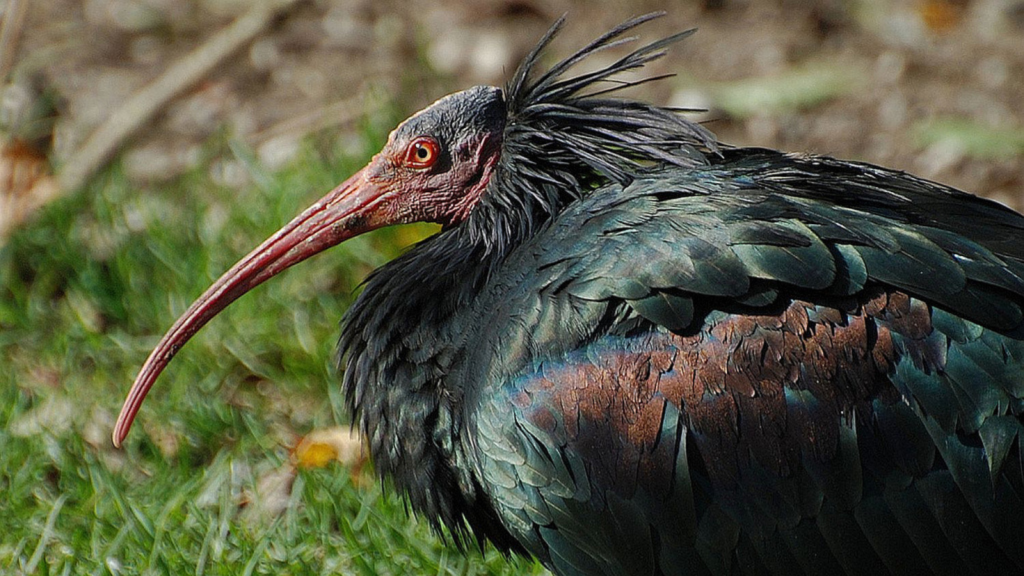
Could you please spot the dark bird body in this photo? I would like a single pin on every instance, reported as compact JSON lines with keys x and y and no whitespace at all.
{"x":634,"y":351}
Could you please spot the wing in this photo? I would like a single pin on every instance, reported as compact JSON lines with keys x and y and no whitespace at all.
{"x":765,"y":222}
{"x":771,"y":366}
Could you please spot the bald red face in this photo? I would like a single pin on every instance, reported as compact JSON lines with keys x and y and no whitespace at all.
{"x":434,"y":168}
{"x":425,"y":179}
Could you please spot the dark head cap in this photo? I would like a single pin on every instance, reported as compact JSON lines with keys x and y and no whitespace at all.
{"x":457,"y":117}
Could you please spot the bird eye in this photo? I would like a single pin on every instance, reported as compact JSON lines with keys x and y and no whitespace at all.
{"x":422,"y":152}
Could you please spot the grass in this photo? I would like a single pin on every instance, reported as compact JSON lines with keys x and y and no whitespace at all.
{"x":797,"y":88}
{"x":972,"y":138}
{"x":204,"y":484}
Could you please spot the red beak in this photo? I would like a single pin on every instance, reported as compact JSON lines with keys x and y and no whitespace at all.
{"x":347,"y":211}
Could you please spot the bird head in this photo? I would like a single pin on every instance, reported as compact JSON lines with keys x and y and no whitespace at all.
{"x":434,"y":168}
{"x":435,"y":165}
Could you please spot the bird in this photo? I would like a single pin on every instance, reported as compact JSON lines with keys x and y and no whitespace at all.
{"x":633,"y":349}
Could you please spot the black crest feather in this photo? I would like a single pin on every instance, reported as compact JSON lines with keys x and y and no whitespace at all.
{"x":565,"y":135}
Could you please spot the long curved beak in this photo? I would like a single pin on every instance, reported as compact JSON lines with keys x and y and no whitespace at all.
{"x":347,"y":211}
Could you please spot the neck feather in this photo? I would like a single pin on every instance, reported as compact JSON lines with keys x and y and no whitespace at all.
{"x":396,"y":351}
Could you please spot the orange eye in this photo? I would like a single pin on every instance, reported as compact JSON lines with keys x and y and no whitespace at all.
{"x":422,"y":152}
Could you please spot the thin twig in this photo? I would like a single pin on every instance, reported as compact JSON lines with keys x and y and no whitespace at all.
{"x":10,"y":32}
{"x":334,"y":114}
{"x":144,"y":104}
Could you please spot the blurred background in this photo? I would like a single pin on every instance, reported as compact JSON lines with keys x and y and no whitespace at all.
{"x":931,"y":86}
{"x":145,"y":145}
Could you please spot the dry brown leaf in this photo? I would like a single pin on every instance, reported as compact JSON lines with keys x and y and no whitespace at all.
{"x":941,"y":15}
{"x":26,"y":184}
{"x":321,"y":447}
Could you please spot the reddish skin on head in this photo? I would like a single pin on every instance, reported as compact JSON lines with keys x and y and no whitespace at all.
{"x":413,"y":179}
